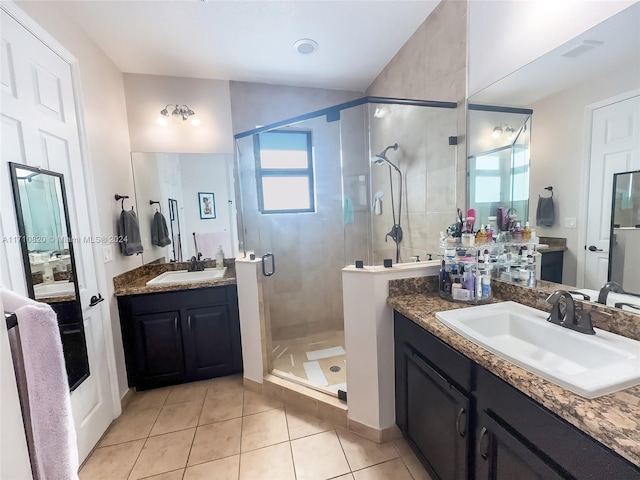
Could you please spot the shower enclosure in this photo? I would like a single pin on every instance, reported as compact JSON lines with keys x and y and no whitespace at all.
{"x":316,"y":191}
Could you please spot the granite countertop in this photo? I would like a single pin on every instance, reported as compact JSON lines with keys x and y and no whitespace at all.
{"x":135,"y":281}
{"x":560,"y":248}
{"x":613,"y":419}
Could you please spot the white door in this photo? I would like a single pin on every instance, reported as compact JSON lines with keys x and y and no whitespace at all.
{"x":615,"y":147}
{"x":39,"y":128}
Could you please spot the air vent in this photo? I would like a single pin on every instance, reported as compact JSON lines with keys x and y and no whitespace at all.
{"x":584,"y":47}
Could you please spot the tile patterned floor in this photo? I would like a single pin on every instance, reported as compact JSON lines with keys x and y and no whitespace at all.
{"x":217,"y":430}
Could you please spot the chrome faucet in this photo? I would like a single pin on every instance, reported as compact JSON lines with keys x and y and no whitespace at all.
{"x":573,"y":317}
{"x":195,"y":264}
{"x":606,"y":288}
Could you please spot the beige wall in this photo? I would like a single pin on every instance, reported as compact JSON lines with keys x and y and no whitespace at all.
{"x":108,"y":137}
{"x":148,"y":94}
{"x":558,"y":150}
{"x":430,"y":66}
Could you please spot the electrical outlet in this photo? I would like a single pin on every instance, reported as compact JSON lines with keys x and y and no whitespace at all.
{"x":570,"y":223}
{"x":107,"y":253}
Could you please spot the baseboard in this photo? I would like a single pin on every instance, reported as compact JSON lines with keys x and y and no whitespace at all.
{"x":375,"y":434}
{"x":252,"y":385}
{"x":127,"y":398}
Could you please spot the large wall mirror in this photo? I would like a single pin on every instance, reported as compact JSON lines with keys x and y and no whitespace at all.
{"x":625,"y":231}
{"x":47,"y":253}
{"x":585,"y":128}
{"x":194,"y":192}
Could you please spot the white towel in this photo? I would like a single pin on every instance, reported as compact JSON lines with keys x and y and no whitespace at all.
{"x":208,"y":243}
{"x":54,"y":435}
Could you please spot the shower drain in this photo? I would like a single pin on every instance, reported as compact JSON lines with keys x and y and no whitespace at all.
{"x":335,"y":368}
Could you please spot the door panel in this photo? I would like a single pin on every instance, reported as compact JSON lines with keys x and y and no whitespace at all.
{"x":39,"y":128}
{"x":437,"y":419}
{"x":208,"y":342}
{"x":615,"y":147}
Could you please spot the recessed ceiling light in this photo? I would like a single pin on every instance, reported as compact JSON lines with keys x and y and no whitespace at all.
{"x":305,"y":46}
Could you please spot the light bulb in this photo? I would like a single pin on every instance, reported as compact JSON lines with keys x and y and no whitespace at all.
{"x":497,"y":132}
{"x":162,"y":121}
{"x":195,"y":122}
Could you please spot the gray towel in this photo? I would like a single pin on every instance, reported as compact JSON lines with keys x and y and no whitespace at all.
{"x":128,"y":229}
{"x":159,"y":231}
{"x":545,"y":214}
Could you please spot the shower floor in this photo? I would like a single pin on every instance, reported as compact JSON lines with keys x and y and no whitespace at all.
{"x":318,"y":360}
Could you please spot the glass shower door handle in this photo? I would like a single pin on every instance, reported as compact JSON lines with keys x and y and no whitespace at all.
{"x":264,"y":264}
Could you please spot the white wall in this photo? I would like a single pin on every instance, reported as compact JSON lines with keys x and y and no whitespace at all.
{"x":108,"y":138}
{"x":205,"y":173}
{"x":506,"y":35}
{"x":559,"y":152}
{"x":209,"y":99}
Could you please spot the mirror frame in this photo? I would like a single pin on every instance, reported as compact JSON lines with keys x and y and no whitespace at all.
{"x":13,"y":167}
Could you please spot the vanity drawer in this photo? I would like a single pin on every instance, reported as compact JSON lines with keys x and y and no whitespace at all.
{"x":165,"y":301}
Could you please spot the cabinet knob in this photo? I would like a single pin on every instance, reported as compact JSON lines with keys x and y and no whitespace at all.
{"x":189,"y":321}
{"x":175,"y":324}
{"x":461,"y":427}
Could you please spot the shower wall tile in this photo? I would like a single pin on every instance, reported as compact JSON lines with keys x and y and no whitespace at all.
{"x":441,"y":189}
{"x":416,"y":198}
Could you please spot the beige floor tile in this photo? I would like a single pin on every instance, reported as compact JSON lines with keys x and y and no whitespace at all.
{"x":224,"y":406}
{"x":189,"y":392}
{"x":163,"y":453}
{"x":417,"y":470}
{"x":111,"y":463}
{"x":264,"y":429}
{"x":319,"y":457}
{"x":216,"y":440}
{"x":223,"y":469}
{"x":131,"y":425}
{"x":149,"y":398}
{"x":216,"y":386}
{"x":177,"y":416}
{"x":363,"y":453}
{"x":402,"y":446}
{"x":175,"y":475}
{"x":267,"y":463}
{"x":256,"y":403}
{"x":302,"y":424}
{"x":348,"y":476}
{"x":394,"y":469}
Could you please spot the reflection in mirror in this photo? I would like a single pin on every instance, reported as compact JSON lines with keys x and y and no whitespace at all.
{"x":498,"y":162}
{"x":47,"y":251}
{"x":585,"y":98}
{"x":175,"y":179}
{"x":625,"y":231}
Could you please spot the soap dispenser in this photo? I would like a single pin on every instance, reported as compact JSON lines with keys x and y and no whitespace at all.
{"x":220,"y":258}
{"x":47,"y":274}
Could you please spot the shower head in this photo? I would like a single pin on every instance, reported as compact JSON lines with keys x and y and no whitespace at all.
{"x":381,"y":158}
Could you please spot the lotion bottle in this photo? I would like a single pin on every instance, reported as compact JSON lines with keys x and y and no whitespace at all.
{"x":220,"y":258}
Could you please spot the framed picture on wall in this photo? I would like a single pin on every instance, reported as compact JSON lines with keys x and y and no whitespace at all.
{"x":207,"y":204}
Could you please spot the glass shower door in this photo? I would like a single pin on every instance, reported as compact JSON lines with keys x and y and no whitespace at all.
{"x":292,"y":207}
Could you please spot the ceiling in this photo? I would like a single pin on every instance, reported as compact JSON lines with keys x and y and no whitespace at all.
{"x":252,"y":40}
{"x":617,"y":46}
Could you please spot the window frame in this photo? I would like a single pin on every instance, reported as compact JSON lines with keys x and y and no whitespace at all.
{"x":285,"y":172}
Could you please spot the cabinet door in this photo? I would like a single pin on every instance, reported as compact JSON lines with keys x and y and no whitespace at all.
{"x":159,"y":355}
{"x":502,"y":456}
{"x":437,"y":419}
{"x":208,"y":342}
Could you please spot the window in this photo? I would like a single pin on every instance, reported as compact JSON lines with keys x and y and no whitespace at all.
{"x":284,"y":171}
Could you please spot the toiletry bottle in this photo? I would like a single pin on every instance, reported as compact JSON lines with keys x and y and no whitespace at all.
{"x":481,"y":236}
{"x":478,"y":274}
{"x":489,"y":231}
{"x":516,"y":233}
{"x":47,"y":274}
{"x":526,"y":234}
{"x":469,"y":282}
{"x":220,"y":258}
{"x":486,"y":285}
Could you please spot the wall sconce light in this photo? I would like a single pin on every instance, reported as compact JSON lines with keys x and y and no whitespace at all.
{"x":178,"y":114}
{"x":501,"y":129}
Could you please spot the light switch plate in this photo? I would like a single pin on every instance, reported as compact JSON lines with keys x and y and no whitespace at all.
{"x":570,"y":223}
{"x":107,"y":253}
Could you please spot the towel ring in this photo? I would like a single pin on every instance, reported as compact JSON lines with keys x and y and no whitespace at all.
{"x":550,"y":188}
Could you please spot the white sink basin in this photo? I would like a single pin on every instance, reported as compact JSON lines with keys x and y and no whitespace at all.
{"x":182,"y":276}
{"x":54,"y":289}
{"x":589,"y":365}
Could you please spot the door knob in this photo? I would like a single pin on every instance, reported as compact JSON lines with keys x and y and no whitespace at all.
{"x":593,"y":248}
{"x":95,"y":300}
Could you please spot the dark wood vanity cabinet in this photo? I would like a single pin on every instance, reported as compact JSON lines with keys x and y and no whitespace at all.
{"x":465,"y":422}
{"x":180,"y":336}
{"x":551,"y":266}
